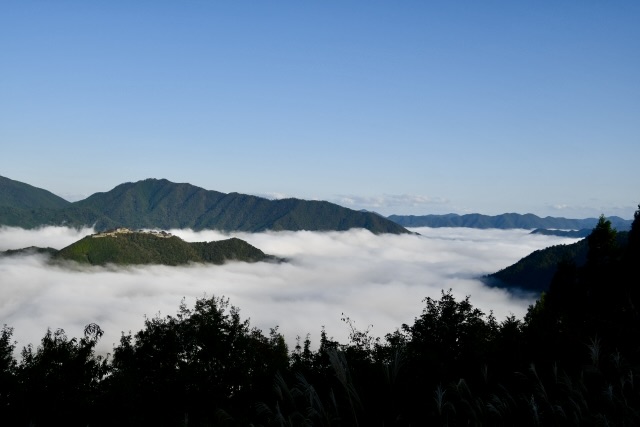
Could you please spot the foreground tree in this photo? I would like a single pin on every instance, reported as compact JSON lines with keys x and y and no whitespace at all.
{"x":202,"y":365}
{"x":8,"y":367}
{"x":59,"y":381}
{"x":602,"y":243}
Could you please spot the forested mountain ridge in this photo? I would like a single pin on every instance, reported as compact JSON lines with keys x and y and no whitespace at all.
{"x":536,"y":271}
{"x":18,"y":195}
{"x":158,"y":203}
{"x":504,"y":221}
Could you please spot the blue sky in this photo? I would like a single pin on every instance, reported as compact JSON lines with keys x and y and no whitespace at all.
{"x":408,"y":107}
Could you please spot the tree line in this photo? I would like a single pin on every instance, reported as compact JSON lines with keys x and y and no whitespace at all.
{"x":573,"y":360}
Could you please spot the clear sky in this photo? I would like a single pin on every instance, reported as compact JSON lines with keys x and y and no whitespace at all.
{"x":407,"y":107}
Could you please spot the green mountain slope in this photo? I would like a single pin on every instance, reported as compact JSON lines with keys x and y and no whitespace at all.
{"x":151,"y":203}
{"x":18,"y":195}
{"x":154,"y":203}
{"x":128,"y":248}
{"x":504,"y":221}
{"x":535,"y":271}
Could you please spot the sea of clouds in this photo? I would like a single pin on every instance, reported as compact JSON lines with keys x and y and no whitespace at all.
{"x":378,"y":280}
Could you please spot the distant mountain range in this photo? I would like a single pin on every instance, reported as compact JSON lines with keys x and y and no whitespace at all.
{"x":506,"y":221}
{"x":161,"y":204}
{"x":127,"y":247}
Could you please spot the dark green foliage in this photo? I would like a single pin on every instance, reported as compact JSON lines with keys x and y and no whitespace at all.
{"x":147,"y":248}
{"x":449,"y":334}
{"x":631,"y":257}
{"x":535,"y":271}
{"x":194,"y":366}
{"x":597,"y":298}
{"x":8,"y":366}
{"x":133,"y":248}
{"x":602,"y":243}
{"x":634,"y":234}
{"x":18,"y":195}
{"x":59,"y":382}
{"x":504,"y":221}
{"x":162,"y":204}
{"x":226,"y":250}
{"x":71,"y":216}
{"x":594,"y":307}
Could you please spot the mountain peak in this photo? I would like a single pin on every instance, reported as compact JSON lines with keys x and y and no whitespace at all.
{"x":160,"y":203}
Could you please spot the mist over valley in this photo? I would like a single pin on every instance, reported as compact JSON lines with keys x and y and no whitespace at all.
{"x":377,"y":280}
{"x":319,"y":214}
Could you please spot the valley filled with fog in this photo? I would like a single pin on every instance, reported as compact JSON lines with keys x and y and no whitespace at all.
{"x":377,"y":280}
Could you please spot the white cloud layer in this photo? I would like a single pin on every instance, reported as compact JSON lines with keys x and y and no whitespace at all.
{"x":273,"y":195}
{"x":54,"y":237}
{"x":379,"y":280}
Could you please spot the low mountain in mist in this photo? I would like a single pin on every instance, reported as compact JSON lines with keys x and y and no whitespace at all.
{"x":162,"y":204}
{"x":535,"y":271}
{"x":126,"y":247}
{"x":504,"y":221}
{"x":563,"y":233}
{"x":31,"y":250}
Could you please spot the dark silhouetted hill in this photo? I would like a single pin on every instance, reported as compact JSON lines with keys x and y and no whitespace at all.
{"x":535,"y":271}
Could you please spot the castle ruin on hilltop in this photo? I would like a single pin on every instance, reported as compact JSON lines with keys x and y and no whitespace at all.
{"x":115,"y":232}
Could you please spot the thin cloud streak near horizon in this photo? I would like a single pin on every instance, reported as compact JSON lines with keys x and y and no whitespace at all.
{"x":378,"y":280}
